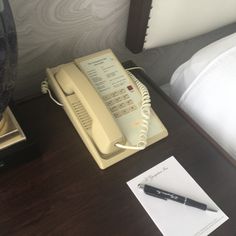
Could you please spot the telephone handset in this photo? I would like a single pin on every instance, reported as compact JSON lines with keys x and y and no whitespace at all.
{"x":109,"y":110}
{"x":104,"y":130}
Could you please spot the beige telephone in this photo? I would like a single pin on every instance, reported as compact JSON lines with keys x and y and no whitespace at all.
{"x":107,"y":105}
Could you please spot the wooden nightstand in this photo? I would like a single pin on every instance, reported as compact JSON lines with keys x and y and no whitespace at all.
{"x":63,"y":192}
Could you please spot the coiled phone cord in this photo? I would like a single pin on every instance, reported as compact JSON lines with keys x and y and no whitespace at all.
{"x":145,"y":113}
{"x":45,"y":89}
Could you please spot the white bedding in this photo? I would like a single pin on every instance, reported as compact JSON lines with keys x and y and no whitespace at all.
{"x":205,"y":88}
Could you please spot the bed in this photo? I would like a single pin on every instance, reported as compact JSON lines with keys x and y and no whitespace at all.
{"x":205,"y":85}
{"x":205,"y":88}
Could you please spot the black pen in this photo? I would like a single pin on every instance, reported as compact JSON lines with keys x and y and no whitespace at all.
{"x":156,"y":192}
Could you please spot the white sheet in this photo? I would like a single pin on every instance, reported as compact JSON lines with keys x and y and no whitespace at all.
{"x":205,"y":87}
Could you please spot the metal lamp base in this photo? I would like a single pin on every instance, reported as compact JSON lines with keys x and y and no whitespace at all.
{"x":10,"y":131}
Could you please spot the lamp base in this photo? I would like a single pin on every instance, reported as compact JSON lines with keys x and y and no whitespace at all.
{"x":10,"y":131}
{"x":15,"y":149}
{"x":2,"y":124}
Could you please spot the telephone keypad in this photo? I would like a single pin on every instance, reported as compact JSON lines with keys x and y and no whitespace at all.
{"x":133,"y":107}
{"x":114,"y":94}
{"x":106,"y":97}
{"x":129,"y":102}
{"x":119,"y":103}
{"x":113,"y":109}
{"x":117,"y":114}
{"x":126,"y":96}
{"x":122,"y":105}
{"x":118,"y":99}
{"x":110,"y":103}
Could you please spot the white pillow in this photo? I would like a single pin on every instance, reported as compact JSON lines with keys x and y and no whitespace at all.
{"x":205,"y":88}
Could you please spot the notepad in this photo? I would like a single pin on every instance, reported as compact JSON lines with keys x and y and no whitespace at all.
{"x":171,"y":217}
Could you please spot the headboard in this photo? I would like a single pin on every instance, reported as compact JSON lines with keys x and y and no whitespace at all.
{"x":154,"y":23}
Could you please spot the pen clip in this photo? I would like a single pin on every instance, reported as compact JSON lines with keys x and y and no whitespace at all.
{"x":161,"y":195}
{"x":154,"y":192}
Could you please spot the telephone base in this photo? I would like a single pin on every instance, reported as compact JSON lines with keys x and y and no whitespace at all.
{"x":103,"y":108}
{"x":158,"y":130}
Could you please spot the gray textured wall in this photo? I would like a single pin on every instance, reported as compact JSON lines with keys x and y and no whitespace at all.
{"x":51,"y":32}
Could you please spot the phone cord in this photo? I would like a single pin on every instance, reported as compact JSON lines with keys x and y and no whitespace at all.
{"x":45,"y":89}
{"x":145,"y":113}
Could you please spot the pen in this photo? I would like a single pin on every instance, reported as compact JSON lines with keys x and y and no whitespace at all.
{"x":156,"y":192}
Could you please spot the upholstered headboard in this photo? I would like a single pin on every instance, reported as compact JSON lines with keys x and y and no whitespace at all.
{"x":154,"y":23}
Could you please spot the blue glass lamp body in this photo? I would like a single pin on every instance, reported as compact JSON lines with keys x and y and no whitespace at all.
{"x":8,"y":54}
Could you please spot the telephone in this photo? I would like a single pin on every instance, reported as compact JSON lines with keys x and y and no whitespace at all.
{"x":108,"y":106}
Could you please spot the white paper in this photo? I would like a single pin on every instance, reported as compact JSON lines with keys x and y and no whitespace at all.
{"x":170,"y":217}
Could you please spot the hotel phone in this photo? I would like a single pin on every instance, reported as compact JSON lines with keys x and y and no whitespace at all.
{"x":107,"y":105}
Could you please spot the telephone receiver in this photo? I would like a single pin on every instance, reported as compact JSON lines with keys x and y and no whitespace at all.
{"x":107,"y":105}
{"x":104,"y":130}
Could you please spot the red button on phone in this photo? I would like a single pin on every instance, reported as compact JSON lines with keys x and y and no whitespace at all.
{"x":129,"y":87}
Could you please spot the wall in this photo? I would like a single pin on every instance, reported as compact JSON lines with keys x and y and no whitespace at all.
{"x":51,"y":32}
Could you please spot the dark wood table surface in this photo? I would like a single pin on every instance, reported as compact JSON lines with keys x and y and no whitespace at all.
{"x":63,"y":192}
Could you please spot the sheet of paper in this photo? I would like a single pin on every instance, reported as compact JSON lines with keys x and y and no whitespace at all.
{"x":170,"y":217}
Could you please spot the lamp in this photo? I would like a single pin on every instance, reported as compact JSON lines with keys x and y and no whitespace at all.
{"x":10,"y":131}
